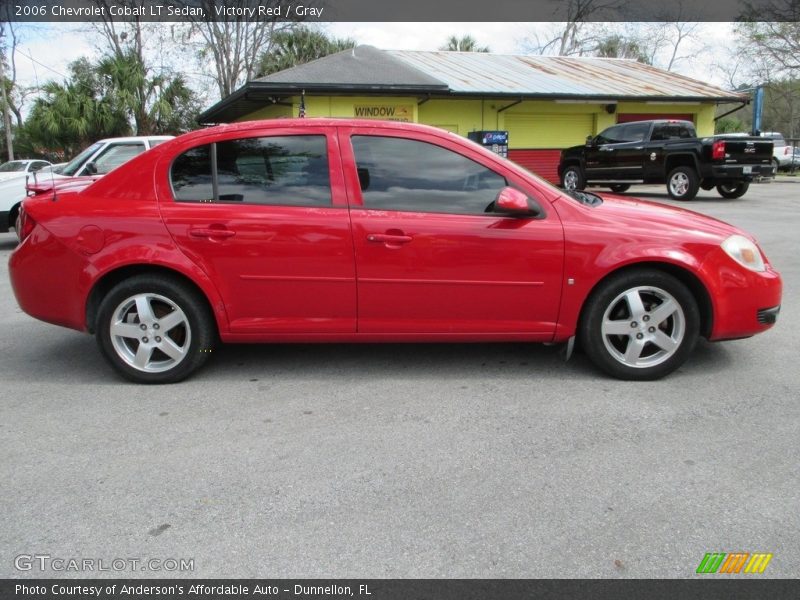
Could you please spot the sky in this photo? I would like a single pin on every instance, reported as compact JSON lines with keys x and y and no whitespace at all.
{"x":47,"y":48}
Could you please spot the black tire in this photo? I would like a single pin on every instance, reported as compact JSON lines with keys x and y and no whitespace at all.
{"x":618,"y":188}
{"x":733,"y":190}
{"x":609,"y":351}
{"x":13,"y":214}
{"x":572,"y":178}
{"x":683,"y":183}
{"x":777,"y":164}
{"x":194,"y":336}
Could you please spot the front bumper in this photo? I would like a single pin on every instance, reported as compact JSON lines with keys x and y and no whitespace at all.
{"x":744,"y":302}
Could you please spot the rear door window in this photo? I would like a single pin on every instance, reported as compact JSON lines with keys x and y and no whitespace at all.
{"x":273,"y":170}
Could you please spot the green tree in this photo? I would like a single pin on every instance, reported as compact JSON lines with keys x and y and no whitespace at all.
{"x":617,"y":46}
{"x":299,"y":46}
{"x":68,"y":116}
{"x":155,"y":103}
{"x":465,"y":43}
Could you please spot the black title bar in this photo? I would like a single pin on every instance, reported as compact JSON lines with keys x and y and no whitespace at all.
{"x":700,"y":588}
{"x":396,"y":10}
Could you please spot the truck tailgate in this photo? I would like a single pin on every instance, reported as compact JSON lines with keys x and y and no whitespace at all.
{"x":748,"y":151}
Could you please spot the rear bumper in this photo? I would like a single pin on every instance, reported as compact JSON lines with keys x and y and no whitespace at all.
{"x":40,"y":265}
{"x":744,"y":302}
{"x":741,"y":172}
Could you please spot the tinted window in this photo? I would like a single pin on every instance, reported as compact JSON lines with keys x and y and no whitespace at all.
{"x":191,"y":176}
{"x":408,"y":175}
{"x":672,"y":132}
{"x":290,"y":170}
{"x":635,"y":132}
{"x":115,"y":155}
{"x":611,"y":135}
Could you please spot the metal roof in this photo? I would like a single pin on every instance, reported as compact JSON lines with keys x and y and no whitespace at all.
{"x":366,"y":70}
{"x":485,"y":73}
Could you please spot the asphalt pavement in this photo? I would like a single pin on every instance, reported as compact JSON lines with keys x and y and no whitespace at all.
{"x":488,"y":460}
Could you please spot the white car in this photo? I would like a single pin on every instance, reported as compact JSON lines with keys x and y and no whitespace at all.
{"x":95,"y":161}
{"x":781,"y":151}
{"x":20,"y":168}
{"x":105,"y":155}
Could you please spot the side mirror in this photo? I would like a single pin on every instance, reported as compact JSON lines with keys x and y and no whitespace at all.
{"x":510,"y":201}
{"x":589,"y":140}
{"x":91,"y":168}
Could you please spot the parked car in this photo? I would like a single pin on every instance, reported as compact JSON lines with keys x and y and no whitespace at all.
{"x":20,"y":168}
{"x":13,"y":175}
{"x":322,"y":230}
{"x":781,"y":151}
{"x":105,"y":155}
{"x":666,"y":151}
{"x":92,"y":163}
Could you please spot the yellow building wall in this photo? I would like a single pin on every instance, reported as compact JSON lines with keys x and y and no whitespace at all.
{"x":534,"y":123}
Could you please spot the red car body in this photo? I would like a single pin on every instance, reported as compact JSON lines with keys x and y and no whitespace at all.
{"x":348,"y":273}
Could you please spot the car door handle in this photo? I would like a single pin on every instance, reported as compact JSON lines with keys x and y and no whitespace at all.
{"x":211,"y":232}
{"x":606,"y":149}
{"x":388,"y":238}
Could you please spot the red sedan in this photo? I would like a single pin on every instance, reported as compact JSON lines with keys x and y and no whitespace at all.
{"x":363,"y":231}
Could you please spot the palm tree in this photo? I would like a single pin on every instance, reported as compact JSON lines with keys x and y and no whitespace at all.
{"x":299,"y":46}
{"x":153,"y":102}
{"x":466,"y":43}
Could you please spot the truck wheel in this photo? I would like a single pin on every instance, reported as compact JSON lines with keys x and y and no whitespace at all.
{"x":573,"y":179}
{"x":683,"y":183}
{"x":733,"y":190}
{"x":639,"y":325}
{"x":154,"y":329}
{"x":618,"y":188}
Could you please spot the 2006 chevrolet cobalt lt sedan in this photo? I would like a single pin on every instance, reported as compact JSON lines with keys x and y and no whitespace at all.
{"x":327,"y":230}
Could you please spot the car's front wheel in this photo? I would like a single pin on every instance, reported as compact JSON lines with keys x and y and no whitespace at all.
{"x":572,"y":178}
{"x":154,"y":329}
{"x":640,"y":325}
{"x":733,"y":190}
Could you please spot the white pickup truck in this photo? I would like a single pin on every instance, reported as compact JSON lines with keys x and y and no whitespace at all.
{"x":95,"y":161}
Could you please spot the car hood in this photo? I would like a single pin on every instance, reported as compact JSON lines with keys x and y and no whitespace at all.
{"x":661,"y":219}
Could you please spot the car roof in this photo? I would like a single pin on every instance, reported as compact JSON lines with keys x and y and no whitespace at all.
{"x":135,"y":138}
{"x":303,"y":122}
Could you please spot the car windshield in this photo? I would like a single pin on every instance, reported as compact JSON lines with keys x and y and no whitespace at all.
{"x":13,"y":166}
{"x":76,"y":163}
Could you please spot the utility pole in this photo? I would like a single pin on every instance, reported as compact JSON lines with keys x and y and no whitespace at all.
{"x":6,"y":114}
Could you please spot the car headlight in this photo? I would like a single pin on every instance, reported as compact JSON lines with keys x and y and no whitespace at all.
{"x":744,"y":252}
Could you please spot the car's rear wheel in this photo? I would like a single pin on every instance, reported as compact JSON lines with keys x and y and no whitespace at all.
{"x":733,"y":190}
{"x":683,"y":183}
{"x":618,"y":188}
{"x":154,"y":329}
{"x":572,"y":178}
{"x":640,"y":325}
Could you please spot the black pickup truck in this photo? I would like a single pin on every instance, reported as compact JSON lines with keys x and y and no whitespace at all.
{"x":666,"y":151}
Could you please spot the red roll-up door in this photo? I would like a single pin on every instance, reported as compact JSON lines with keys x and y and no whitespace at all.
{"x":628,"y":117}
{"x":542,"y":162}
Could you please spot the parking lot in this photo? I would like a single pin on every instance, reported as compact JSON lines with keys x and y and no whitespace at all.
{"x":489,"y":460}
